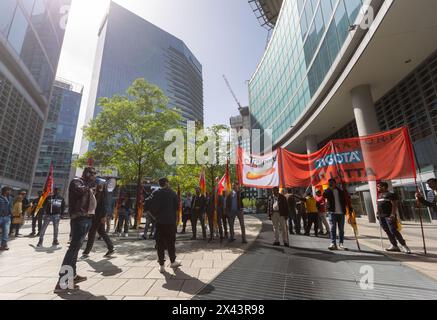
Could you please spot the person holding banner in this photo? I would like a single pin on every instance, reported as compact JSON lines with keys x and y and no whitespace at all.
{"x":387,"y":216}
{"x":234,"y":209}
{"x":278,"y":213}
{"x":431,"y":197}
{"x":336,"y":207}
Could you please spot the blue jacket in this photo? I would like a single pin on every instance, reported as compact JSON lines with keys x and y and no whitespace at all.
{"x":5,"y":207}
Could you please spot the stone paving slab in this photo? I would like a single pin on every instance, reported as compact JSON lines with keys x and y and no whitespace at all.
{"x":31,"y":273}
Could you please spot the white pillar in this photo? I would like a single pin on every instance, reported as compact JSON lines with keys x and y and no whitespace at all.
{"x":311,"y":142}
{"x":367,"y":124}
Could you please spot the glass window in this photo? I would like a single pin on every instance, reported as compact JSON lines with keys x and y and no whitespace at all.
{"x":18,"y":31}
{"x":7,"y":8}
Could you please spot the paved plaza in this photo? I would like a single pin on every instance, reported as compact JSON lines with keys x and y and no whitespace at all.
{"x":225,"y":271}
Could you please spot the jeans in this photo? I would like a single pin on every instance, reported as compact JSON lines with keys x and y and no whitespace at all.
{"x":391,"y":229}
{"x":337,"y":220}
{"x":56,"y":218}
{"x":198,"y":216}
{"x":123,"y":220}
{"x":36,"y":219}
{"x":79,"y":230}
{"x":5,"y":225}
{"x":301,"y":216}
{"x":166,"y":240}
{"x":231,"y":218}
{"x":97,"y":227}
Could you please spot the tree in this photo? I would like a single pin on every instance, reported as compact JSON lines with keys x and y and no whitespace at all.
{"x":128,"y":134}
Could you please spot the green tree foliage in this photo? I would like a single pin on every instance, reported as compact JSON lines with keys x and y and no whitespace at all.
{"x":128,"y":134}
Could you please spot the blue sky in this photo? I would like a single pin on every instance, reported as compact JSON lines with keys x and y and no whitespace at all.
{"x":223,"y":34}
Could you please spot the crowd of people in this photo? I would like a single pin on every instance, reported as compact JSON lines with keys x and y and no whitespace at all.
{"x":290,"y":212}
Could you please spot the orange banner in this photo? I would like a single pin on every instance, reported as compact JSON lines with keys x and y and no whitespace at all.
{"x":383,"y":156}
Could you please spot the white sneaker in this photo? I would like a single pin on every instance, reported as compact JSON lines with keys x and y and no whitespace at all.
{"x":126,"y":235}
{"x":393,"y":249}
{"x":162,"y":269}
{"x":406,"y":249}
{"x":175,"y":265}
{"x":333,"y":247}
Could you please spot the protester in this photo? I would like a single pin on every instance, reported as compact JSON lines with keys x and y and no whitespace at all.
{"x":5,"y":216}
{"x":301,"y":217}
{"x":124,"y":212}
{"x":198,"y":209}
{"x":36,"y":217}
{"x":388,"y":219}
{"x":186,"y":211}
{"x":279,"y":212}
{"x":292,"y":216}
{"x":321,"y":206}
{"x":54,"y":207}
{"x":431,"y":197}
{"x":150,"y":220}
{"x":234,"y":209}
{"x":336,"y":206}
{"x":312,"y":213}
{"x":82,"y":206}
{"x":210,"y":210}
{"x":17,"y":215}
{"x":164,"y":206}
{"x":98,"y":224}
{"x":222,"y":217}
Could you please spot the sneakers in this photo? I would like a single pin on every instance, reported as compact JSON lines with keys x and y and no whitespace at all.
{"x":286,"y":245}
{"x":333,"y":247}
{"x":4,"y":248}
{"x":109,"y":253}
{"x":32,"y":234}
{"x":175,"y":265}
{"x":55,"y":243}
{"x":406,"y":249}
{"x":244,"y":241}
{"x":342,"y":247}
{"x":276,"y":244}
{"x":39,"y":245}
{"x":58,"y":289}
{"x":79,"y":279}
{"x":126,"y":235}
{"x":393,"y":249}
{"x":85,"y":256}
{"x":162,"y":269}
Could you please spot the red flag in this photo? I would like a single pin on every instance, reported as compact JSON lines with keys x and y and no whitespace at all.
{"x":48,"y":189}
{"x":202,"y":183}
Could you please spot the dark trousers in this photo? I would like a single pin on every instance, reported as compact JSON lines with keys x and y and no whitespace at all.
{"x":97,"y":227}
{"x":79,"y":229}
{"x":301,"y":217}
{"x":15,"y":227}
{"x":313,"y":218}
{"x":391,"y":229}
{"x":166,"y":240}
{"x":292,"y":221}
{"x":223,"y":220}
{"x":36,"y":219}
{"x":198,"y":216}
{"x":220,"y":224}
{"x":185,"y":217}
{"x":123,"y":221}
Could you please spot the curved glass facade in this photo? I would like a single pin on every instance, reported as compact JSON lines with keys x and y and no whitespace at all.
{"x":307,"y":39}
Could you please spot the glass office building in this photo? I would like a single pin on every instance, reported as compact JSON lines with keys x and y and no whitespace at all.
{"x":130,"y":48}
{"x":343,"y":68}
{"x":59,"y":134}
{"x":31,"y":36}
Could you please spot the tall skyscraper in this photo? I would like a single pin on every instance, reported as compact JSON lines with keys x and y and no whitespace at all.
{"x":31,"y":36}
{"x":342,"y":68}
{"x":59,"y":134}
{"x":130,"y":48}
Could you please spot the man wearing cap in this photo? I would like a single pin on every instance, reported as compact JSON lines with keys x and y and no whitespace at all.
{"x":164,"y":205}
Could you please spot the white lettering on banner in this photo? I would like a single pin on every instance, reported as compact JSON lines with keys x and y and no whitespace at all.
{"x":339,"y":158}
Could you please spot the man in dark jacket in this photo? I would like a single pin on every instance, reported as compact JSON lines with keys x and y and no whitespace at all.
{"x":98,"y":225}
{"x":278,"y":212}
{"x":82,"y":206}
{"x":431,"y":198}
{"x":234,"y":209}
{"x":198,"y":209}
{"x":54,"y":207}
{"x":164,"y":205}
{"x":336,"y":208}
{"x":221,"y":215}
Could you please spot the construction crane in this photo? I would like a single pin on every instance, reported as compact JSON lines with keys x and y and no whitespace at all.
{"x":233,"y":93}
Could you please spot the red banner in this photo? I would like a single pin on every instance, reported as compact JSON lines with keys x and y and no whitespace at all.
{"x":383,"y":156}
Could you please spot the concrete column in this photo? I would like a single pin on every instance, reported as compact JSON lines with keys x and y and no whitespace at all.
{"x":311,"y":142}
{"x":367,"y":123}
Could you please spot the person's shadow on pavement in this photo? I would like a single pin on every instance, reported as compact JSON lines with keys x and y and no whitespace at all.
{"x":105,"y":267}
{"x":47,"y":250}
{"x":191,"y":286}
{"x":79,"y":295}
